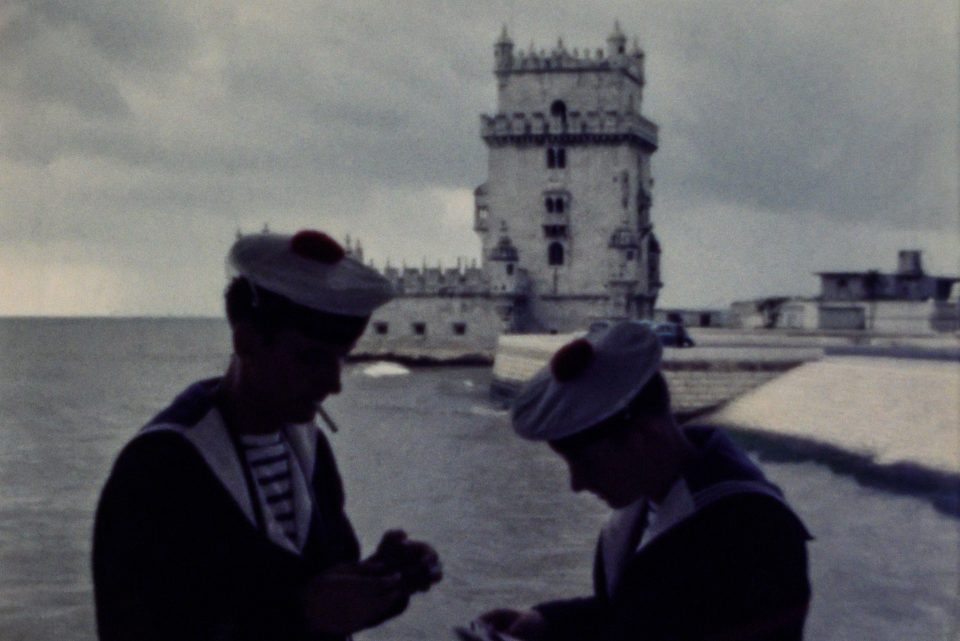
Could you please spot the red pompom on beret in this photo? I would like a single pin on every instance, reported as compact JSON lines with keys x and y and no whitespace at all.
{"x":317,"y":246}
{"x":571,"y":360}
{"x":312,"y":270}
{"x":587,"y":381}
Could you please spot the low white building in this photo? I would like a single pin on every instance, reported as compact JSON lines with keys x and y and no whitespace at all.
{"x":799,"y":313}
{"x":906,"y":302}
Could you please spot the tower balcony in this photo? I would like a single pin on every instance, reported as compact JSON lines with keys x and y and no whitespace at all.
{"x":576,"y":127}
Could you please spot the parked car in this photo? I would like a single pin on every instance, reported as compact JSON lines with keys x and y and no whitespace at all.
{"x":670,"y":334}
{"x":673,"y":335}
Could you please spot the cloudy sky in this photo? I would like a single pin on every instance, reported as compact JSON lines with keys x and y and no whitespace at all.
{"x":136,"y":138}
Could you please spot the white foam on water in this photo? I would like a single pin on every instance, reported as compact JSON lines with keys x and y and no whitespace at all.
{"x":486,"y":410}
{"x":385,"y":368}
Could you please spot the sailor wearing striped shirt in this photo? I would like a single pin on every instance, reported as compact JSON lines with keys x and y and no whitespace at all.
{"x":223,"y":518}
{"x":700,"y":546}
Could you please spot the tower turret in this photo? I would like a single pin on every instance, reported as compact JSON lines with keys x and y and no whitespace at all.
{"x":623,"y":276}
{"x":503,"y":52}
{"x":504,"y":251}
{"x":616,"y":42}
{"x":503,"y":259}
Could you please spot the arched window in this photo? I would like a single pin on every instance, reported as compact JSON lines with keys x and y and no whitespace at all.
{"x":555,"y":254}
{"x":558,"y":207}
{"x":550,"y":205}
{"x":558,"y":109}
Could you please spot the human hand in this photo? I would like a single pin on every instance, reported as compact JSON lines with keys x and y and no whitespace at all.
{"x":522,"y":624}
{"x":416,"y":561}
{"x":351,"y":597}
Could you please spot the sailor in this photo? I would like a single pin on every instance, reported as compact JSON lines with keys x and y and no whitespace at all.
{"x":224,"y":518}
{"x":700,"y":544}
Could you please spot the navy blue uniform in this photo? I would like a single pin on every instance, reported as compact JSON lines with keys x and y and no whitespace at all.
{"x":732,"y":565}
{"x":180,"y":552}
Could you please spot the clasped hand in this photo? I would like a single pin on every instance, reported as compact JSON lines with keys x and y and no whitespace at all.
{"x":355,"y":596}
{"x":519,"y":624}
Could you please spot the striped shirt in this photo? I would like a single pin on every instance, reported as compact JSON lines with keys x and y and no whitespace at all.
{"x":268,"y":456}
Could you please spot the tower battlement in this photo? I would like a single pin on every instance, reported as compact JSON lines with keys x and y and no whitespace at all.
{"x":615,"y":57}
{"x":437,"y":281}
{"x":563,"y":96}
{"x":573,"y":128}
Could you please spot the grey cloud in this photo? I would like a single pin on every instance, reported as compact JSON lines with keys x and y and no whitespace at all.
{"x":133,"y":35}
{"x":351,"y":115}
{"x":837,"y":111}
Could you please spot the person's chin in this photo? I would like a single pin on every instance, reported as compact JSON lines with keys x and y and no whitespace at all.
{"x":303,"y":413}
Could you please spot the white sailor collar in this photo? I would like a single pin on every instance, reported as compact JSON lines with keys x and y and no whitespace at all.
{"x":212,"y":441}
{"x":618,"y":542}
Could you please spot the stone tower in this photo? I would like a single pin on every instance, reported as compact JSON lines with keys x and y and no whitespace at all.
{"x":568,"y":186}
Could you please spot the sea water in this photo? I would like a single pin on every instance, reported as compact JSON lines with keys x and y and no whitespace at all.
{"x":421,"y":449}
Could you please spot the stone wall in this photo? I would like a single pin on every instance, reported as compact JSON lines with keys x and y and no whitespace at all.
{"x":433,"y":328}
{"x":699,"y":386}
{"x":696,"y":386}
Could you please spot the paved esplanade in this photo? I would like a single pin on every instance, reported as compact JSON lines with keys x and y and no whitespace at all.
{"x":890,"y":410}
{"x":895,"y":401}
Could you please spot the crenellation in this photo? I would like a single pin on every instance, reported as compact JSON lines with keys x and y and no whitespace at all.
{"x":560,"y":59}
{"x":461,"y":280}
{"x":575,"y":128}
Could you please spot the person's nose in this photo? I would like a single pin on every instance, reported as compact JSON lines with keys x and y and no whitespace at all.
{"x":327,"y":378}
{"x":335,"y":378}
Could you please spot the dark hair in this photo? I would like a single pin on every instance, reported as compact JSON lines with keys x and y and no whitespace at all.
{"x":271,"y":313}
{"x":652,"y":401}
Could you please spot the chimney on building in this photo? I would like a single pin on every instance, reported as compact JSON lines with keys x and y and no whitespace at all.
{"x":909,"y":263}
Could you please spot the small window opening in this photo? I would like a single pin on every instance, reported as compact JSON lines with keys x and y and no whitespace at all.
{"x":561,"y":158}
{"x":459,"y":329}
{"x":550,"y":205}
{"x":381,"y":328}
{"x":551,"y":158}
{"x":509,"y":269}
{"x":555,"y":254}
{"x":420,"y":329}
{"x":558,"y":109}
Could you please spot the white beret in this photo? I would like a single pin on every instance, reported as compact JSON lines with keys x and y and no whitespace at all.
{"x":310,"y":269}
{"x":587,"y":381}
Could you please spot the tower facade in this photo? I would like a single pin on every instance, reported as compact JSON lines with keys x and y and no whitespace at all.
{"x":568,"y":188}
